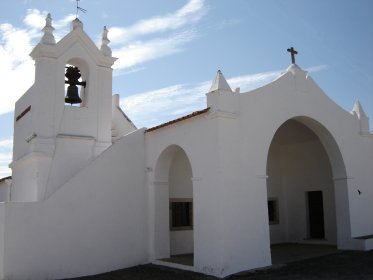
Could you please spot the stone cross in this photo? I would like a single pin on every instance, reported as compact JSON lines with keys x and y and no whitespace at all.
{"x":293,"y":53}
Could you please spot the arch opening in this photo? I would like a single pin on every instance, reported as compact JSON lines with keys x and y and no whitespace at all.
{"x":300,"y":190}
{"x":76,"y":86}
{"x":307,"y":193}
{"x":174,"y":215}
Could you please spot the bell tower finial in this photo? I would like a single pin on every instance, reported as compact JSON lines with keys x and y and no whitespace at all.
{"x":48,"y":38}
{"x":78,"y":8}
{"x":76,"y":22}
{"x":105,"y":49}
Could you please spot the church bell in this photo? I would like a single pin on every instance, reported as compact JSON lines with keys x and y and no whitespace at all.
{"x":72,"y":95}
{"x":73,"y":74}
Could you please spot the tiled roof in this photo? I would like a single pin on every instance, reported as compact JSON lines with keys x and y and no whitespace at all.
{"x":196,"y":113}
{"x":5,"y":178}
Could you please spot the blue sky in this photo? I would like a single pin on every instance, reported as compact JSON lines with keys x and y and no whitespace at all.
{"x":169,"y":50}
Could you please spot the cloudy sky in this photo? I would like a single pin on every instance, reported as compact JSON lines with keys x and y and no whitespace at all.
{"x":169,"y":50}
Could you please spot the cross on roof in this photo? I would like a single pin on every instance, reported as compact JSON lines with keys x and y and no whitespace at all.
{"x":293,"y":53}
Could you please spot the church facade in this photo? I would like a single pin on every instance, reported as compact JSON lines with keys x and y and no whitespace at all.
{"x":91,"y":193}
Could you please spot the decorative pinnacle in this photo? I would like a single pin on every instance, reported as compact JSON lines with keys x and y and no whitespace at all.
{"x":105,"y":49}
{"x":48,"y":38}
{"x":358,"y":110}
{"x":76,"y":24}
{"x":220,"y":83}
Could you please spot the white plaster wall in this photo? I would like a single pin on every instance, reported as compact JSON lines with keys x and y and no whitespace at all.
{"x":196,"y":140}
{"x":227,"y":149}
{"x":231,"y":224}
{"x":234,"y":176}
{"x":23,"y":127}
{"x":275,"y":189}
{"x":297,"y":96}
{"x":242,"y":197}
{"x":4,"y":191}
{"x":70,"y":156}
{"x":180,"y":175}
{"x":312,"y":172}
{"x":180,"y":186}
{"x":96,"y":222}
{"x":25,"y":181}
{"x":361,"y":178}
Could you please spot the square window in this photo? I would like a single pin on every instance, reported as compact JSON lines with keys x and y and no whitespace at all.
{"x":181,"y":214}
{"x":273,"y":213}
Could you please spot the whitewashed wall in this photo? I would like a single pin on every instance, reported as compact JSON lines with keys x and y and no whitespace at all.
{"x":108,"y":216}
{"x":54,"y":134}
{"x":5,"y":189}
{"x":225,"y":208}
{"x":228,"y":147}
{"x":96,"y":222}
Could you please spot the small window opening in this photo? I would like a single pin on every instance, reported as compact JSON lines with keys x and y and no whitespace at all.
{"x":273,"y":213}
{"x":181,"y":214}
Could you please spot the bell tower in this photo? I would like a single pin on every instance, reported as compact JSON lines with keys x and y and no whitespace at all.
{"x":64,"y":120}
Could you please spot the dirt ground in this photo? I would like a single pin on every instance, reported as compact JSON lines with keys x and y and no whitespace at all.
{"x":345,"y":265}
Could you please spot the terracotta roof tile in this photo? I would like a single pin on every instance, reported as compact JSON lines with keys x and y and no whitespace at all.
{"x":5,"y":178}
{"x":196,"y":113}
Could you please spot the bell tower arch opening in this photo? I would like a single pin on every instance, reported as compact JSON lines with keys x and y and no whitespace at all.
{"x":76,"y":85}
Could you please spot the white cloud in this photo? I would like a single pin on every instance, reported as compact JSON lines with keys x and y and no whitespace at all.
{"x":16,"y":43}
{"x":132,"y":49}
{"x":5,"y":171}
{"x":317,"y":68}
{"x":17,"y":67}
{"x":158,"y":106}
{"x":253,"y":81}
{"x":62,"y":26}
{"x":6,"y":146}
{"x":5,"y":158}
{"x":35,"y":19}
{"x":15,"y":64}
{"x":6,"y":143}
{"x":139,"y":52}
{"x":190,"y":13}
{"x":151,"y":108}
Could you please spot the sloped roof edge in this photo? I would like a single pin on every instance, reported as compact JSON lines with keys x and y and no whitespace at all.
{"x":196,"y":113}
{"x":5,"y":178}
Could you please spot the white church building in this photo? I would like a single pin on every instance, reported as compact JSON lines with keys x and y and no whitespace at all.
{"x":91,"y":193}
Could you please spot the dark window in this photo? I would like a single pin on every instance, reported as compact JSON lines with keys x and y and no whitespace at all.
{"x":181,"y":214}
{"x":273,"y":215}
